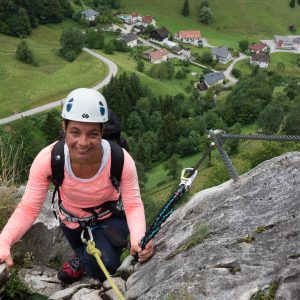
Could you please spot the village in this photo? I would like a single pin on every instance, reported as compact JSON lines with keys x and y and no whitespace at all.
{"x":165,"y":46}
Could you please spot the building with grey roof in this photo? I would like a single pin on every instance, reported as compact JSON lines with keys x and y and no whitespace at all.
{"x":90,"y":15}
{"x":222,"y":54}
{"x":213,"y":78}
{"x":130,"y":39}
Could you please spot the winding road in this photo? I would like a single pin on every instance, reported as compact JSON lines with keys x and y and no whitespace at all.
{"x":113,"y":69}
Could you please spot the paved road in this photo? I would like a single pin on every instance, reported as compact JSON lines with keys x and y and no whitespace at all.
{"x":113,"y":69}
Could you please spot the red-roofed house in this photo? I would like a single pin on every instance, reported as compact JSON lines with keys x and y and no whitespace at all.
{"x":148,"y":20}
{"x":258,"y":48}
{"x":157,"y":56}
{"x":189,"y":36}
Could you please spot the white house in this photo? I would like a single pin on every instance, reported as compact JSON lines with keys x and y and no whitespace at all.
{"x":221,"y":54}
{"x":283,"y":42}
{"x":90,"y":15}
{"x":262,"y":60}
{"x":130,"y":39}
{"x":189,"y":36}
{"x":157,"y":56}
{"x":148,"y":20}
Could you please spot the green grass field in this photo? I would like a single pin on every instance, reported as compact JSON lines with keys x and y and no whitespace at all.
{"x":233,"y":20}
{"x":126,"y":62}
{"x":289,"y":60}
{"x":24,"y":86}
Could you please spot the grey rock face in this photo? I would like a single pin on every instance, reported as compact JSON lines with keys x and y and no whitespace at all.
{"x":253,"y":236}
{"x":251,"y":240}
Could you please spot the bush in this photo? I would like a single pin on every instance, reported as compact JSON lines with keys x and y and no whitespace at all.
{"x":236,"y":73}
{"x":24,"y":53}
{"x":69,"y":55}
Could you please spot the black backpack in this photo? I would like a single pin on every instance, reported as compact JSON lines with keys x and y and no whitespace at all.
{"x":112,"y":133}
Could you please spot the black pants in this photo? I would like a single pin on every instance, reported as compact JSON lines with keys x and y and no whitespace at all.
{"x":110,"y":236}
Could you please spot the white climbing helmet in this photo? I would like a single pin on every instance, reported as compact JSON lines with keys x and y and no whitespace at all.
{"x":85,"y":105}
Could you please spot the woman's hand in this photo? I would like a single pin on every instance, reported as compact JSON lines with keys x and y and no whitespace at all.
{"x":8,"y":261}
{"x":145,"y":254}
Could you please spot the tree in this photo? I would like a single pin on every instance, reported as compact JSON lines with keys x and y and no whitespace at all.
{"x":270,"y":118}
{"x":205,"y":15}
{"x":232,"y":145}
{"x":292,"y":3}
{"x":140,"y":66}
{"x":204,"y":3}
{"x":291,"y":124}
{"x":20,"y":24}
{"x":186,"y":8}
{"x":292,"y":27}
{"x":72,"y":41}
{"x":206,"y":58}
{"x":173,"y":167}
{"x":109,"y":48}
{"x":23,"y":53}
{"x":243,"y":45}
{"x":120,"y":45}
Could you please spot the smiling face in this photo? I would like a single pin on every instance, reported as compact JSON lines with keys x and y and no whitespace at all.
{"x":83,"y":140}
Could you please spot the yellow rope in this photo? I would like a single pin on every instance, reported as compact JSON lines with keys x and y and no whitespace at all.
{"x":92,"y":250}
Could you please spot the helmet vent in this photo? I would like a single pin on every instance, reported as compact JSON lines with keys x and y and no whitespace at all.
{"x":69,"y":105}
{"x":102,"y":110}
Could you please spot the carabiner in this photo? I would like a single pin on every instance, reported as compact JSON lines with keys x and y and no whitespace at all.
{"x":83,"y":239}
{"x":187,"y":177}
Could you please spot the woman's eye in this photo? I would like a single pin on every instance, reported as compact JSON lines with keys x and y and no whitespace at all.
{"x":74,"y":132}
{"x":93,"y":134}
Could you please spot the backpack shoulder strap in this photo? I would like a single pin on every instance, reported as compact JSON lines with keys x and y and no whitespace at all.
{"x":57,"y":163}
{"x":117,"y":162}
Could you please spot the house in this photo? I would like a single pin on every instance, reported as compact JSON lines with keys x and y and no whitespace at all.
{"x":157,"y":56}
{"x":262,"y":60}
{"x":184,"y":53}
{"x":202,"y":86}
{"x":221,"y":54}
{"x":177,"y":50}
{"x":189,"y":36}
{"x":170,"y":44}
{"x":130,"y":39}
{"x":213,"y":78}
{"x":134,"y":17}
{"x":139,"y":28}
{"x":283,"y":42}
{"x":148,"y":20}
{"x":90,"y":15}
{"x":258,"y":48}
{"x":159,"y":35}
{"x":296,"y":40}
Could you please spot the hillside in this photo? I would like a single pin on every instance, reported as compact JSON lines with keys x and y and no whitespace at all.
{"x":233,"y":20}
{"x":24,"y":86}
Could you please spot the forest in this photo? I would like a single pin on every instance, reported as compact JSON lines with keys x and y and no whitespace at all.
{"x":159,"y":127}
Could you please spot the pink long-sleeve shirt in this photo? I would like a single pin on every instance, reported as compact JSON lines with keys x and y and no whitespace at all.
{"x":76,"y":194}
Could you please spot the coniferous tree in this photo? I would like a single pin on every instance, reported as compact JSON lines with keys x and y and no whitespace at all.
{"x":186,"y":8}
{"x":292,"y":3}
